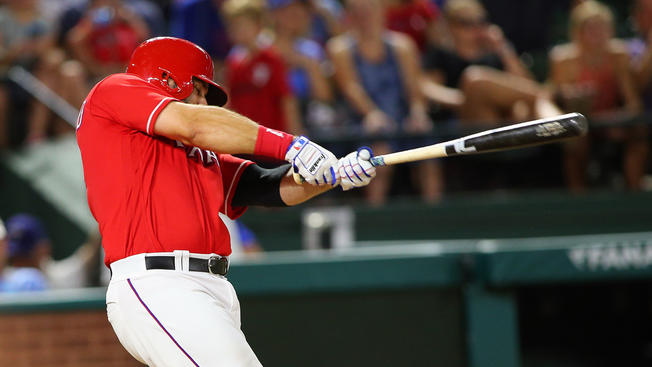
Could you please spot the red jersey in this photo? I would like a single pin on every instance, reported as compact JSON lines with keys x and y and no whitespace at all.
{"x":149,"y":193}
{"x":257,"y":84}
{"x":413,"y":19}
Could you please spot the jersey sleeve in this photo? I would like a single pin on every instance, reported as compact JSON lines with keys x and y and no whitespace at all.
{"x":130,"y":101}
{"x":232,"y":168}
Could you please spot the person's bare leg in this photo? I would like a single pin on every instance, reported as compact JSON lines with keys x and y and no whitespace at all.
{"x":476,"y":108}
{"x":576,"y":157}
{"x":429,"y":177}
{"x":635,"y":157}
{"x":490,"y":93}
{"x":376,"y":193}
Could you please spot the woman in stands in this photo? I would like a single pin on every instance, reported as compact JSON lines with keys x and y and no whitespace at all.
{"x":591,"y":75}
{"x":377,"y":71}
{"x":476,"y":74}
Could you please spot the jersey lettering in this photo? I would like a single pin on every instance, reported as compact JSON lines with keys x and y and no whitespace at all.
{"x":205,"y":156}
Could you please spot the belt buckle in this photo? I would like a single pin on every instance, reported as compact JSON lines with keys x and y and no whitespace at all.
{"x":218,"y":265}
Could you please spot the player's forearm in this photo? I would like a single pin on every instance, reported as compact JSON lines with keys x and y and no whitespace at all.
{"x":208,"y":127}
{"x":294,"y":194}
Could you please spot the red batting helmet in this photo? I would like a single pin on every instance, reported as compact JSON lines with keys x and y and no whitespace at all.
{"x":158,"y":59}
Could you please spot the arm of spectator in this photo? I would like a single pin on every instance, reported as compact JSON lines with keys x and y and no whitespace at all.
{"x":408,"y":57}
{"x":333,"y":23}
{"x":502,"y":47}
{"x":433,"y":88}
{"x":320,"y":88}
{"x":89,"y":254}
{"x":292,"y":115}
{"x":345,"y":76}
{"x":625,"y":80}
{"x":643,"y":70}
{"x":374,"y":120}
{"x":77,"y":41}
{"x":134,"y":21}
{"x":562,"y":79}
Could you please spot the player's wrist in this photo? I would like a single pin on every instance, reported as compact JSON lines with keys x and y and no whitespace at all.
{"x":272,"y":143}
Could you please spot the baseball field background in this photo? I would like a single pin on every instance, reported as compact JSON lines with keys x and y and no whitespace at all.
{"x":536,"y":278}
{"x":508,"y":269}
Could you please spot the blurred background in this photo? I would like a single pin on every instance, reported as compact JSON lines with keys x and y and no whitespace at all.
{"x":535,"y":257}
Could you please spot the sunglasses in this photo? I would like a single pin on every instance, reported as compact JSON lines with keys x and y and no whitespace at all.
{"x":469,"y":23}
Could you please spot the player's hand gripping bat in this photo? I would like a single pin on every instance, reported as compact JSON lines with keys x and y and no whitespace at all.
{"x":515,"y":136}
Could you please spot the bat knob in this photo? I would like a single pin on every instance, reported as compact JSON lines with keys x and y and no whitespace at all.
{"x":298,"y":178}
{"x":579,"y":123}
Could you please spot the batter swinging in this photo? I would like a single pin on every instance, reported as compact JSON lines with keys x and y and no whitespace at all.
{"x":156,"y":152}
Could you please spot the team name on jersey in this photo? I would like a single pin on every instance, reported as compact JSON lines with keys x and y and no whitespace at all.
{"x":201,"y":155}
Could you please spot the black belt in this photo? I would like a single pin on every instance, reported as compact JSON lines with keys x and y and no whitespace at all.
{"x":215,"y":264}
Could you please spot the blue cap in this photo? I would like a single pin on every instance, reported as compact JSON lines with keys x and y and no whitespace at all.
{"x":24,"y":232}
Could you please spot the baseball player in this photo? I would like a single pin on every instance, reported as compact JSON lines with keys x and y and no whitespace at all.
{"x":156,"y":148}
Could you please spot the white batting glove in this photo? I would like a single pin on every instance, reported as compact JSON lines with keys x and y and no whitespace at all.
{"x":312,"y":162}
{"x":355,"y":169}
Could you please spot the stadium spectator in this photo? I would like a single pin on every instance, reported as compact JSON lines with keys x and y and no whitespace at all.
{"x":27,"y":38}
{"x":478,"y":75}
{"x":305,"y":60}
{"x":255,"y":72}
{"x":243,"y":239}
{"x":641,"y":52}
{"x":70,"y":12}
{"x":326,"y":20}
{"x":81,"y":269}
{"x":28,"y":247}
{"x":377,"y":71}
{"x":201,"y":22}
{"x":30,"y":257}
{"x":416,"y":18}
{"x":105,"y":36}
{"x":592,"y":75}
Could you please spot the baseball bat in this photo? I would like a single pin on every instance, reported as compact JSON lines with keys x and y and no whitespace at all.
{"x":525,"y":134}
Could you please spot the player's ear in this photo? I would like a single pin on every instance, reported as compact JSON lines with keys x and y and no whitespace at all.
{"x":171,"y":83}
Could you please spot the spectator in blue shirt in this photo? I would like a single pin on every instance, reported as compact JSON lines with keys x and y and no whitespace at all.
{"x":305,"y":60}
{"x":28,"y":246}
{"x":200,"y":22}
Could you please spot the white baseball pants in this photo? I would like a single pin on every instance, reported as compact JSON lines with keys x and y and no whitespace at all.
{"x":174,"y":318}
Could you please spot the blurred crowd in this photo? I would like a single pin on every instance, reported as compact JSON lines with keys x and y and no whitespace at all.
{"x":393,"y":74}
{"x":27,"y":264}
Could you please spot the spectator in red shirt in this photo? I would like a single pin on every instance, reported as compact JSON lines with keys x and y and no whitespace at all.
{"x":416,"y":18}
{"x":255,"y":73}
{"x":105,"y":37}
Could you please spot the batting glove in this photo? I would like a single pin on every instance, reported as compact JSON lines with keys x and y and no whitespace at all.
{"x":355,"y":169}
{"x":312,"y":162}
